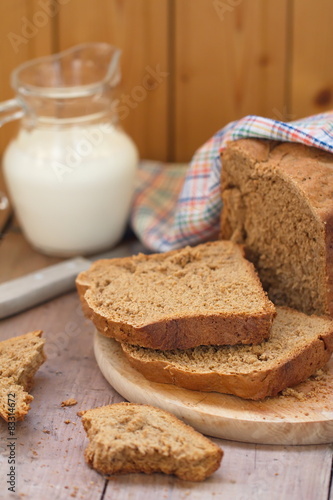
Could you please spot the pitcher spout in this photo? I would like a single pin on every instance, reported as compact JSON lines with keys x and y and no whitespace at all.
{"x":78,"y":71}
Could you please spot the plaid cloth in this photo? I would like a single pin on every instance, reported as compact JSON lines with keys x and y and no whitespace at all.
{"x":177,"y":205}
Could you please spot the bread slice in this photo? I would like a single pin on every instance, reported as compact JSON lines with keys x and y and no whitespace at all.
{"x":297,"y":347}
{"x":20,"y":358}
{"x":203,"y":295}
{"x":278,"y":202}
{"x":127,"y":437}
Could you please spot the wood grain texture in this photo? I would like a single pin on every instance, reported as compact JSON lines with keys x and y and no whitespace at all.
{"x":248,"y":472}
{"x":140,"y":29}
{"x":51,"y":463}
{"x":311,"y":72}
{"x":49,"y":450}
{"x":230,"y":61}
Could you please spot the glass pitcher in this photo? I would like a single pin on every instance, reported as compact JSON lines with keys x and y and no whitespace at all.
{"x":70,"y":170}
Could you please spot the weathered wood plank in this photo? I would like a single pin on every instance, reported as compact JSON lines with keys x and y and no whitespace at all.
{"x":51,"y":464}
{"x":247,"y":472}
{"x":49,"y":451}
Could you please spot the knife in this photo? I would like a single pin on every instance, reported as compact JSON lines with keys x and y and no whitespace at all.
{"x":32,"y":289}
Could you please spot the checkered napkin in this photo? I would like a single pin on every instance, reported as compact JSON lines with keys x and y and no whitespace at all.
{"x":177,"y":205}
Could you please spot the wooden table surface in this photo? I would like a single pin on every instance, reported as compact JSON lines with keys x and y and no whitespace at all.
{"x":51,"y":441}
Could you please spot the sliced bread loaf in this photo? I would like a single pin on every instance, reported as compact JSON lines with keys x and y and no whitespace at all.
{"x":20,"y":358}
{"x":278,"y":202}
{"x":203,"y":295}
{"x":297,"y":347}
{"x":127,"y":437}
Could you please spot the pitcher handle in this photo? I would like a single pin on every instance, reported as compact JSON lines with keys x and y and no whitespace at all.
{"x":10,"y":110}
{"x":4,"y":202}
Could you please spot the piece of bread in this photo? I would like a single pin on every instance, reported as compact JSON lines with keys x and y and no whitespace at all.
{"x":203,"y":295}
{"x":298,"y":346}
{"x":278,"y":202}
{"x":127,"y":437}
{"x":20,"y":358}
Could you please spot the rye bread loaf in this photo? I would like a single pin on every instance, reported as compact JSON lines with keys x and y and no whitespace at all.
{"x":278,"y":203}
{"x":20,"y":358}
{"x":205,"y":295}
{"x":298,"y":346}
{"x":127,"y":437}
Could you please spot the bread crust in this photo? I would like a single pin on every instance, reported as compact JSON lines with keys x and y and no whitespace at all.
{"x":328,"y":227}
{"x":185,"y":331}
{"x":312,"y":180}
{"x":255,"y":385}
{"x":182,"y":333}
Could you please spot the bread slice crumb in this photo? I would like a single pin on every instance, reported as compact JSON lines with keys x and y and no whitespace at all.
{"x":204,"y":295}
{"x":126,"y":437}
{"x":299,"y":346}
{"x":20,"y":358}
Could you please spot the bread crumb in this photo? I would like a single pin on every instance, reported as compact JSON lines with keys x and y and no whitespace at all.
{"x":80,"y":413}
{"x":46,"y":431}
{"x":67,"y":421}
{"x":293,"y":393}
{"x":319,"y":375}
{"x":69,"y":402}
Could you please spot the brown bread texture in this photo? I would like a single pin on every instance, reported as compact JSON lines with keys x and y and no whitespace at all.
{"x":20,"y":358}
{"x":204,"y":295}
{"x":126,"y":437}
{"x":278,"y":203}
{"x":298,"y":346}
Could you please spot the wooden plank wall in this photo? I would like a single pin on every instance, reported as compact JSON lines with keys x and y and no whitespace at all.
{"x":224,"y":59}
{"x":229,"y":62}
{"x":311,"y":78}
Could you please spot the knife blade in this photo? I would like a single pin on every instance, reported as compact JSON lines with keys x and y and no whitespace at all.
{"x":34,"y":288}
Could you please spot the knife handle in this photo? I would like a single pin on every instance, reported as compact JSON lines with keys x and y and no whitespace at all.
{"x":32,"y":289}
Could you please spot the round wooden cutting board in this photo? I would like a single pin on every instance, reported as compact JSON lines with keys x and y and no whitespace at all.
{"x":303,"y":417}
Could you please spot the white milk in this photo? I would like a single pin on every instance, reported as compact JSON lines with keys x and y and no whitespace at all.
{"x":71,"y":187}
